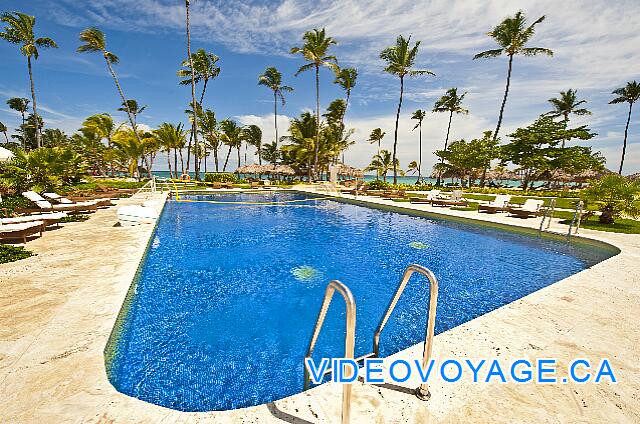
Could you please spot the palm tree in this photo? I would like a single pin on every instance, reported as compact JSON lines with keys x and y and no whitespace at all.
{"x":382,"y":163}
{"x":4,"y":129}
{"x":132,"y":106}
{"x":19,"y":30}
{"x":194,"y":103}
{"x":512,"y":35}
{"x":171,"y":137}
{"x":231,"y":136}
{"x":205,"y":66}
{"x":630,"y":93}
{"x":272,"y":78}
{"x":301,"y":148}
{"x":103,"y":126}
{"x":452,"y":103}
{"x":567,"y":104}
{"x":270,"y":153}
{"x":400,"y":59}
{"x":413,"y":168}
{"x":314,"y":51}
{"x":346,"y":78}
{"x":208,"y":127}
{"x":419,"y":115}
{"x":95,"y":41}
{"x":19,"y":104}
{"x":252,"y":135}
{"x":376,"y":136}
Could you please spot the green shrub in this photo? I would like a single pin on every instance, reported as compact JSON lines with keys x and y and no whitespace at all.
{"x":378,"y":185}
{"x":13,"y":253}
{"x":220,"y":177}
{"x":74,"y":218}
{"x":12,"y":202}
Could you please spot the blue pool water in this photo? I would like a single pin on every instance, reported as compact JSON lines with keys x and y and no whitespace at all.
{"x":228,"y":294}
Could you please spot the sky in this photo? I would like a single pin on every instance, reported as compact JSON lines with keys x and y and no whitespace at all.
{"x":595,"y":45}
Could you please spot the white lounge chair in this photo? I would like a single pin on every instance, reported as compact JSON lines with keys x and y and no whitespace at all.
{"x":499,"y":204}
{"x":21,"y":230}
{"x":431,"y":195}
{"x":530,"y":208}
{"x":44,"y":204}
{"x":455,"y":199}
{"x":56,"y":198}
{"x":46,"y":218}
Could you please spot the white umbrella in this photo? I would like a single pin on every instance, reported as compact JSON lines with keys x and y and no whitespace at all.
{"x":5,"y":154}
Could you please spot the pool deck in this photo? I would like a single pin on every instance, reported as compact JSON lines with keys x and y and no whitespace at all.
{"x":57,"y":310}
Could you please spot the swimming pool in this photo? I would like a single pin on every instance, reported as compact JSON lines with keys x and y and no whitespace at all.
{"x":222,"y":310}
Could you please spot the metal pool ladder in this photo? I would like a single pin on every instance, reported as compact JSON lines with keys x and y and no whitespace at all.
{"x":349,"y":339}
{"x":422,"y":391}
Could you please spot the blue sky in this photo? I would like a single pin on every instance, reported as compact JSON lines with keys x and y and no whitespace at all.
{"x":595,"y":45}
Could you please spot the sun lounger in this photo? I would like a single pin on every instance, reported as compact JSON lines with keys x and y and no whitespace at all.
{"x":46,"y":218}
{"x":56,"y":198}
{"x":431,"y":195}
{"x":21,"y":230}
{"x":44,"y":204}
{"x":394,"y":194}
{"x":456,"y":199}
{"x":499,"y":204}
{"x":530,"y":208}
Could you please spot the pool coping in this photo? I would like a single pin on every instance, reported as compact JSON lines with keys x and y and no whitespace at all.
{"x":321,"y":404}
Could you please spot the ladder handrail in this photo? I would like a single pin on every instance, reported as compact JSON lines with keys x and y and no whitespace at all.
{"x":577,"y":217}
{"x":349,"y":339}
{"x":422,"y":392}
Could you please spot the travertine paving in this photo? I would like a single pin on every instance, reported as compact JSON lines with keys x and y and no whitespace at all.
{"x":57,"y":310}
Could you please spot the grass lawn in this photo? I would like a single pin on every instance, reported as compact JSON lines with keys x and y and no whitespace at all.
{"x":625,"y":226}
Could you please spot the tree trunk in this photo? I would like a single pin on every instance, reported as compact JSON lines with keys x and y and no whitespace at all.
{"x":238,"y":148}
{"x":33,"y":99}
{"x":624,"y":144}
{"x":395,"y":135}
{"x":124,"y":100}
{"x":215,"y":157}
{"x":504,"y":100}
{"x":169,"y":161}
{"x":317,"y":146}
{"x":175,"y":162}
{"x":275,"y":115}
{"x":420,"y":153}
{"x":194,"y":124}
{"x":227,"y":160}
{"x":446,"y":144}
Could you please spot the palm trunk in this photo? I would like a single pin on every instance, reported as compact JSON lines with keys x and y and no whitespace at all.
{"x":378,"y":171}
{"x":446,"y":143}
{"x":215,"y":156}
{"x":420,"y":154}
{"x":175,"y":162}
{"x":124,"y":100}
{"x":169,"y":161}
{"x":504,"y":100}
{"x":317,"y":146}
{"x":33,"y":99}
{"x":238,"y":148}
{"x":395,"y":135}
{"x":204,"y":146}
{"x":227,"y":159}
{"x":181,"y":163}
{"x":194,"y":124}
{"x":624,"y":144}
{"x":22,"y":144}
{"x":5,"y":137}
{"x":275,"y":115}
{"x":260,"y":153}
